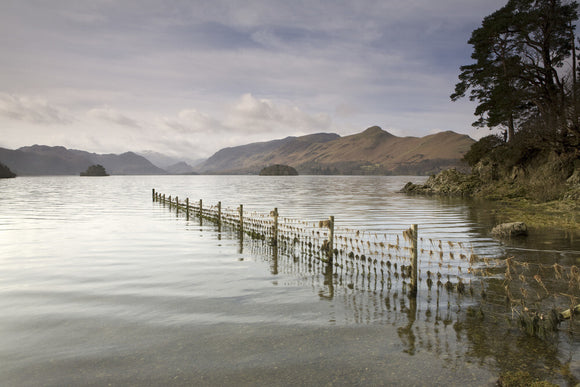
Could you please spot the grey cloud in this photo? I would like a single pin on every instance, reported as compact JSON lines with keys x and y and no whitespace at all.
{"x":301,"y":66}
{"x":112,"y":115}
{"x":192,"y":121}
{"x":263,"y":115}
{"x":33,"y":110}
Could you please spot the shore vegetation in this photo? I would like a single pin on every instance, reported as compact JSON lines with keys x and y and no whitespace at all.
{"x":525,"y":81}
{"x":5,"y":172}
{"x":95,"y":170}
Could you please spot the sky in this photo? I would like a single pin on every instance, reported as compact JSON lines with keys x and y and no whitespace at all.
{"x":189,"y":77}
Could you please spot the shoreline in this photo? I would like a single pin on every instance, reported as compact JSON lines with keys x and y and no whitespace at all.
{"x":509,"y":199}
{"x":563,"y":214}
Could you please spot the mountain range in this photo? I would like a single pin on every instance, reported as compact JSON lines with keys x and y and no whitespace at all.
{"x":373,"y":151}
{"x":58,"y":160}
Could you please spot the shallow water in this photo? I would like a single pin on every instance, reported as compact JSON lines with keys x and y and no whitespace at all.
{"x":100,"y":285}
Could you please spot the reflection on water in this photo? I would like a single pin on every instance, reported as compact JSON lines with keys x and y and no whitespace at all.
{"x":456,"y":327}
{"x":101,"y":285}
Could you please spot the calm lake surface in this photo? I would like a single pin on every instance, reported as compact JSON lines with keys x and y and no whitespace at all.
{"x":99,"y":285}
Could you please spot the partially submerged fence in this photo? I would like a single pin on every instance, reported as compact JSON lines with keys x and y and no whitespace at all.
{"x":533,"y":292}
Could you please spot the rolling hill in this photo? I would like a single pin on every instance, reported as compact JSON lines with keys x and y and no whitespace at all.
{"x":58,"y":160}
{"x":373,"y":151}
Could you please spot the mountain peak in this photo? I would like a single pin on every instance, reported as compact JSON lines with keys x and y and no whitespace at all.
{"x":373,"y":151}
{"x":375,"y":131}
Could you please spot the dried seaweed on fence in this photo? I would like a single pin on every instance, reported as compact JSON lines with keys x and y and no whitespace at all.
{"x":508,"y":274}
{"x":574,"y":276}
{"x":407,"y":235}
{"x":354,"y":244}
{"x":539,"y":280}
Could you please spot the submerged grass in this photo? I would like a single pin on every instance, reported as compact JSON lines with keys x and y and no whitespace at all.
{"x":564,"y":214}
{"x":521,"y":379}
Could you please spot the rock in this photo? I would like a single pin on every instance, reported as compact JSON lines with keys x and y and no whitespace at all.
{"x":508,"y":230}
{"x":412,"y":188}
{"x":450,"y":182}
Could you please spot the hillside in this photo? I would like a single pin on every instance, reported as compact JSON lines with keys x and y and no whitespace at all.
{"x":168,"y":163}
{"x":373,"y":151}
{"x":58,"y":160}
{"x":253,"y":157}
{"x":180,"y":168}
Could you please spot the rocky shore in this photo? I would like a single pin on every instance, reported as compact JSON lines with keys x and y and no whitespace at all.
{"x":449,"y":182}
{"x":542,"y":194}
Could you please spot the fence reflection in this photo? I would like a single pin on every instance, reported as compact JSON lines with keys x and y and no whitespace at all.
{"x":460,"y":298}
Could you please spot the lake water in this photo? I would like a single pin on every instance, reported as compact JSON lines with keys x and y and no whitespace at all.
{"x":99,"y":285}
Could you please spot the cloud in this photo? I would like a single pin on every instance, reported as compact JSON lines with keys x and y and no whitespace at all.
{"x":196,"y":76}
{"x":192,"y":121}
{"x":32,"y":110}
{"x":252,"y":114}
{"x":111,"y":115}
{"x":247,"y":119}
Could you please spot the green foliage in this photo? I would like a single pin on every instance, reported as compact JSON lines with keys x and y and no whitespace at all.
{"x":5,"y":172}
{"x":529,"y":142}
{"x":95,"y":170}
{"x":278,"y":170}
{"x":481,"y":149}
{"x":518,"y":51}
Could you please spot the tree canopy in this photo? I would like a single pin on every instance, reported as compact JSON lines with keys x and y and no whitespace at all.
{"x":95,"y":170}
{"x":278,"y":170}
{"x":519,"y":74}
{"x":5,"y":172}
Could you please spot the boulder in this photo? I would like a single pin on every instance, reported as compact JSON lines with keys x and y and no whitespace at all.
{"x":508,"y":230}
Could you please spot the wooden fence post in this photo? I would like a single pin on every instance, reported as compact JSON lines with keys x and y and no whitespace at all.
{"x":153,"y":194}
{"x":177,"y":205}
{"x":200,"y":209}
{"x":187,"y":208}
{"x":275,"y":227}
{"x":169,"y":201}
{"x":241,"y":218}
{"x":414,"y":264}
{"x":330,"y":238}
{"x":219,"y":213}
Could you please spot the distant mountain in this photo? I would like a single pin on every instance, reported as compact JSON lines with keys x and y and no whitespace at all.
{"x":180,"y":168}
{"x":165,"y":162}
{"x":254,"y":157}
{"x":373,"y":151}
{"x":58,"y":160}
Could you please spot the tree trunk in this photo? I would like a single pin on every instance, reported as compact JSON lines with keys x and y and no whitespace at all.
{"x":511,"y":128}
